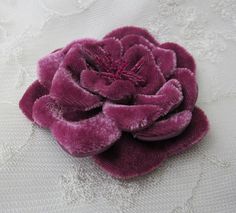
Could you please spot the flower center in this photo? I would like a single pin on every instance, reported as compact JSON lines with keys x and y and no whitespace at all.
{"x":116,"y":69}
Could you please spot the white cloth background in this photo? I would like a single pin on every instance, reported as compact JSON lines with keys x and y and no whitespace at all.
{"x":37,"y":176}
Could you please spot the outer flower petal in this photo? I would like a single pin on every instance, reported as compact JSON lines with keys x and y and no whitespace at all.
{"x":131,"y":40}
{"x":149,"y":71}
{"x":166,"y":60}
{"x":119,"y":33}
{"x":134,"y":117}
{"x":34,"y":91}
{"x":167,"y":128}
{"x":87,"y":137}
{"x":130,"y":158}
{"x":167,"y":98}
{"x":47,"y":67}
{"x":46,"y":111}
{"x":78,"y":41}
{"x":115,"y":91}
{"x":68,"y":92}
{"x":189,"y":86}
{"x":194,"y":133}
{"x":184,"y":58}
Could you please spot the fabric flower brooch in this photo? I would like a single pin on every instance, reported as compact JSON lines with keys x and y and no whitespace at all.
{"x":126,"y":100}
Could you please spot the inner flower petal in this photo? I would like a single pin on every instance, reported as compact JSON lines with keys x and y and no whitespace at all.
{"x":68,"y":92}
{"x":112,"y":46}
{"x":48,"y":65}
{"x":166,"y":128}
{"x":116,"y":90}
{"x":149,"y":71}
{"x":168,"y":97}
{"x":75,"y":61}
{"x":134,"y":117}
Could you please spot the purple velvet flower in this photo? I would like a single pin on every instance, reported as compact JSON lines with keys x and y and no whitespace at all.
{"x":126,"y":100}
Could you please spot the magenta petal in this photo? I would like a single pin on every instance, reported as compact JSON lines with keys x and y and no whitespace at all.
{"x":94,"y":49}
{"x":115,"y":91}
{"x":189,"y":87}
{"x":168,"y":97}
{"x":73,"y":114}
{"x":46,"y":111}
{"x":167,"y":128}
{"x":87,"y":137}
{"x":149,"y":71}
{"x":166,"y":60}
{"x":47,"y":67}
{"x":129,"y":158}
{"x":134,"y":117}
{"x":112,"y":46}
{"x":131,"y":40}
{"x":193,"y":134}
{"x":34,"y":91}
{"x":78,"y":41}
{"x":74,"y":61}
{"x":184,"y":58}
{"x":119,"y":33}
{"x":92,"y":81}
{"x":68,"y":92}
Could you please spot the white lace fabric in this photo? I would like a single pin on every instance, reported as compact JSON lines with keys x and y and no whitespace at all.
{"x":38,"y":176}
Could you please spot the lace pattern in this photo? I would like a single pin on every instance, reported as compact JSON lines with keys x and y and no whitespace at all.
{"x":87,"y":184}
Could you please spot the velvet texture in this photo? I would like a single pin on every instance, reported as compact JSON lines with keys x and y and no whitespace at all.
{"x":126,"y":100}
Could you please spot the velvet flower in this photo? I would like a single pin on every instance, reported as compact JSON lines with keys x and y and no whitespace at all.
{"x":126,"y":100}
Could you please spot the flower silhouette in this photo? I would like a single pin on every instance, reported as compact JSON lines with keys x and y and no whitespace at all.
{"x":126,"y":100}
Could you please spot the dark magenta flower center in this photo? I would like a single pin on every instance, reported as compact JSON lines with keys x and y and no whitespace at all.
{"x":112,"y":69}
